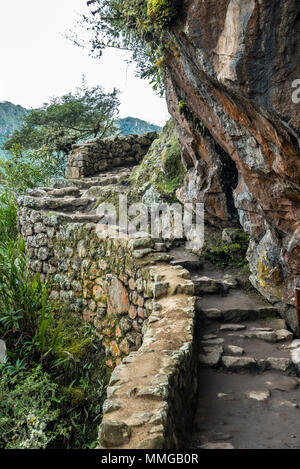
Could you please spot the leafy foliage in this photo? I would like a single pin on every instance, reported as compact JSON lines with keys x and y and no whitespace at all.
{"x":28,"y":169}
{"x":162,"y":12}
{"x":8,"y":217}
{"x":53,"y":383}
{"x":89,"y":112}
{"x":28,"y":413}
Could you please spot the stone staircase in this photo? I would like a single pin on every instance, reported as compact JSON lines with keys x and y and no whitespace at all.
{"x":248,"y":368}
{"x":248,"y":359}
{"x":77,"y":199}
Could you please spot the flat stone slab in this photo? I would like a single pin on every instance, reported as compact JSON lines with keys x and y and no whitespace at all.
{"x":209,"y":336}
{"x":283,"y":383}
{"x":238,"y":363}
{"x":235,"y":350}
{"x":279,"y":364}
{"x":189,"y":264}
{"x":212,"y":313}
{"x":283,"y":335}
{"x":217,"y":341}
{"x":267,"y":336}
{"x":261,"y":396}
{"x":212,"y":356}
{"x":289,"y":404}
{"x":208,"y":285}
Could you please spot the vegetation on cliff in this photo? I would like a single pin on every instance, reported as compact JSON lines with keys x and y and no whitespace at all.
{"x":161,"y":172}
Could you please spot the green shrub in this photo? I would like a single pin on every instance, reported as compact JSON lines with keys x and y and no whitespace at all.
{"x":233,"y":254}
{"x":28,"y":169}
{"x":29,"y":417}
{"x":24,"y":310}
{"x":8,"y":217}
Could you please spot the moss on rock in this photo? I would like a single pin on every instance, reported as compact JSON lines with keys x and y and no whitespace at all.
{"x":163,"y":12}
{"x":161,"y":171}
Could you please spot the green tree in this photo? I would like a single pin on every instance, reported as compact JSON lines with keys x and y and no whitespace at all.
{"x":89,"y":112}
{"x":28,"y":169}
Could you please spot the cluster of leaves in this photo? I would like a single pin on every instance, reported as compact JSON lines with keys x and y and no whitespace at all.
{"x":139,"y":26}
{"x":53,"y":383}
{"x":89,"y":112}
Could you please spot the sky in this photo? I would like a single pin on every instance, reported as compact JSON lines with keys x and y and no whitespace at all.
{"x":37,"y":61}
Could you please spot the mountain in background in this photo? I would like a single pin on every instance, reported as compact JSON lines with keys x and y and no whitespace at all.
{"x":132,"y":125}
{"x":11,"y":119}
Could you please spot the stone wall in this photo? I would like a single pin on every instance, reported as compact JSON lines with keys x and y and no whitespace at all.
{"x":106,"y":280}
{"x":143,"y":308}
{"x":141,"y":305}
{"x":151,"y":394}
{"x":96,"y":156}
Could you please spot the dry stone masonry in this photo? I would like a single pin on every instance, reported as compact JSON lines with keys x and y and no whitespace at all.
{"x":99,"y":155}
{"x":141,"y":305}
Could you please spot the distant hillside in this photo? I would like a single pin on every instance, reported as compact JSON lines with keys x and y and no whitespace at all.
{"x":132,"y":125}
{"x":11,"y":119}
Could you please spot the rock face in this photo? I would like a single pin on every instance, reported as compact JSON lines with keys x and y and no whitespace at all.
{"x":229,"y":87}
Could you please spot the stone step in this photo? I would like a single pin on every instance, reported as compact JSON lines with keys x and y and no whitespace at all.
{"x":86,"y":183}
{"x":102,"y":191}
{"x":189,"y":264}
{"x":207,"y":285}
{"x":78,"y":217}
{"x":65,"y":204}
{"x":214,"y":356}
{"x":234,"y":307}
